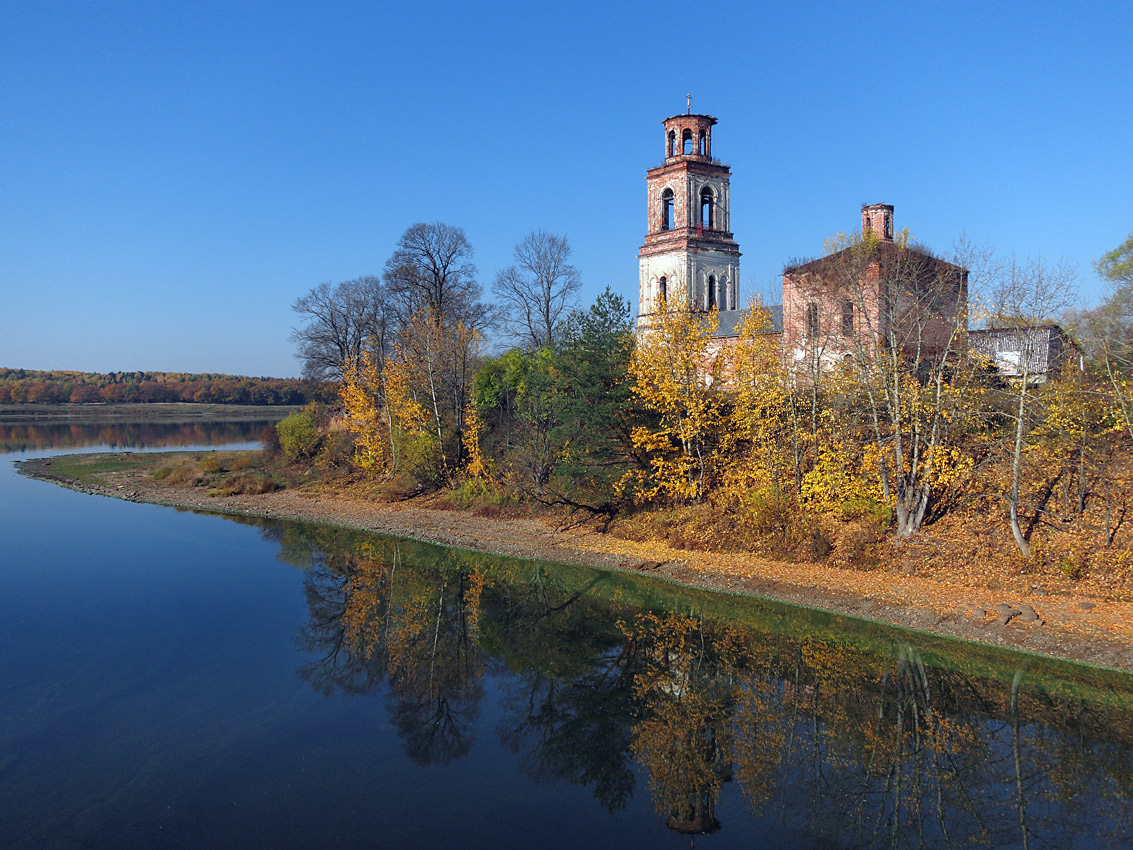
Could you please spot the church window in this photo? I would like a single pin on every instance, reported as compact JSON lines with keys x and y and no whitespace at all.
{"x":663,"y":287}
{"x":686,"y":142}
{"x":812,"y":320}
{"x":847,"y":317}
{"x":707,"y":208}
{"x":711,"y":291}
{"x":666,"y":209}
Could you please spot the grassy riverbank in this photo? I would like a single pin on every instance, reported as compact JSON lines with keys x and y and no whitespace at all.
{"x":1076,"y":624}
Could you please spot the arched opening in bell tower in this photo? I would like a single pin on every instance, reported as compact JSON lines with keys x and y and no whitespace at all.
{"x":663,"y":288}
{"x":702,"y":148}
{"x":712,"y":291}
{"x":666,"y":209}
{"x":671,"y":144}
{"x":686,"y":141}
{"x":707,"y":208}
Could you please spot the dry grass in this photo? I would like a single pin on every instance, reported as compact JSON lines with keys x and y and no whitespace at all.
{"x":224,"y":473}
{"x":779,"y":532}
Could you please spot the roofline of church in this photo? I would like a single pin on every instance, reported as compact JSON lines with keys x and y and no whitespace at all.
{"x":820,"y":262}
{"x":711,"y":118}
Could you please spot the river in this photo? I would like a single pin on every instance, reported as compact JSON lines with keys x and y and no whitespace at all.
{"x":177,"y":679}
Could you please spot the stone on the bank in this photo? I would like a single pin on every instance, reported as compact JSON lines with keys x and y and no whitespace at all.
{"x":1006,"y":613}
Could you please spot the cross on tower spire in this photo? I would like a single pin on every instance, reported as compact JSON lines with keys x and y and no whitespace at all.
{"x":688,"y":104}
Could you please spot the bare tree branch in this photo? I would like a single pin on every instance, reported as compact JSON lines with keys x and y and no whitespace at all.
{"x":539,"y":290}
{"x":432,"y":269}
{"x":340,"y":323}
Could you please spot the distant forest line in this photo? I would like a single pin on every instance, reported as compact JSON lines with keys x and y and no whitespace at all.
{"x":30,"y":386}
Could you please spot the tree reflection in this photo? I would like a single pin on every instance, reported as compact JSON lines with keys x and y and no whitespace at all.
{"x":436,"y":728}
{"x":688,"y":689}
{"x":141,"y":435}
{"x":569,"y":708}
{"x":337,"y":666}
{"x":416,"y":629}
{"x":435,"y":667}
{"x":836,"y":743}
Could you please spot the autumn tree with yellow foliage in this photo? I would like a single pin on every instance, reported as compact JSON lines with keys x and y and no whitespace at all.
{"x":677,"y":371}
{"x":901,"y":340}
{"x":762,"y":411}
{"x":410,"y":414}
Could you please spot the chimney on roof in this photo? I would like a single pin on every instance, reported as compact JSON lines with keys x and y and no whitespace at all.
{"x":878,"y":220}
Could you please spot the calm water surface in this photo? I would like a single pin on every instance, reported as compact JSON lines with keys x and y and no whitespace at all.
{"x":171,"y":679}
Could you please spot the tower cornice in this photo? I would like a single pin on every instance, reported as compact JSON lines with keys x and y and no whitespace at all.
{"x":691,"y":117}
{"x":718,"y":241}
{"x":690,"y":164}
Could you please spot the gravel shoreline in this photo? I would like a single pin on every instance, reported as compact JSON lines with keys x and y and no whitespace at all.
{"x":1072,"y":628}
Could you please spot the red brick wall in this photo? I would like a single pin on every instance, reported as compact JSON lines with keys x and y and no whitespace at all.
{"x":919,"y":319}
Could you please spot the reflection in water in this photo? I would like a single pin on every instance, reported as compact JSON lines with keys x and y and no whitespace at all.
{"x":21,"y":438}
{"x":740,"y":721}
{"x":831,"y":742}
{"x":688,"y":690}
{"x":421,"y":635}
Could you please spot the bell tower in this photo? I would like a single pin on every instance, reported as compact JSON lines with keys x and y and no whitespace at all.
{"x":689,"y":253}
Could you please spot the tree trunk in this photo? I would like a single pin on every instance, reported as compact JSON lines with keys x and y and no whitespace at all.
{"x":1017,"y":468}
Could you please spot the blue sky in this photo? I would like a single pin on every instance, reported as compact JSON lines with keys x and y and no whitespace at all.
{"x":173,"y":176}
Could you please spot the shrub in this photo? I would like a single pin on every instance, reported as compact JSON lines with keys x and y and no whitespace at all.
{"x":1073,"y":568}
{"x":337,"y":449}
{"x":767,"y":513}
{"x":858,"y":541}
{"x":816,"y":542}
{"x":299,"y":436}
{"x":485,"y":498}
{"x":868,"y":509}
{"x":421,"y":460}
{"x":269,"y":439}
{"x":176,"y":473}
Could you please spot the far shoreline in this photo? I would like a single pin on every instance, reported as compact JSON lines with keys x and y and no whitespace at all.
{"x":141,"y":412}
{"x":1092,"y":632}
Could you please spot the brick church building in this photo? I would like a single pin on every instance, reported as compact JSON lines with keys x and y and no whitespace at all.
{"x":878,"y":288}
{"x":690,"y":254}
